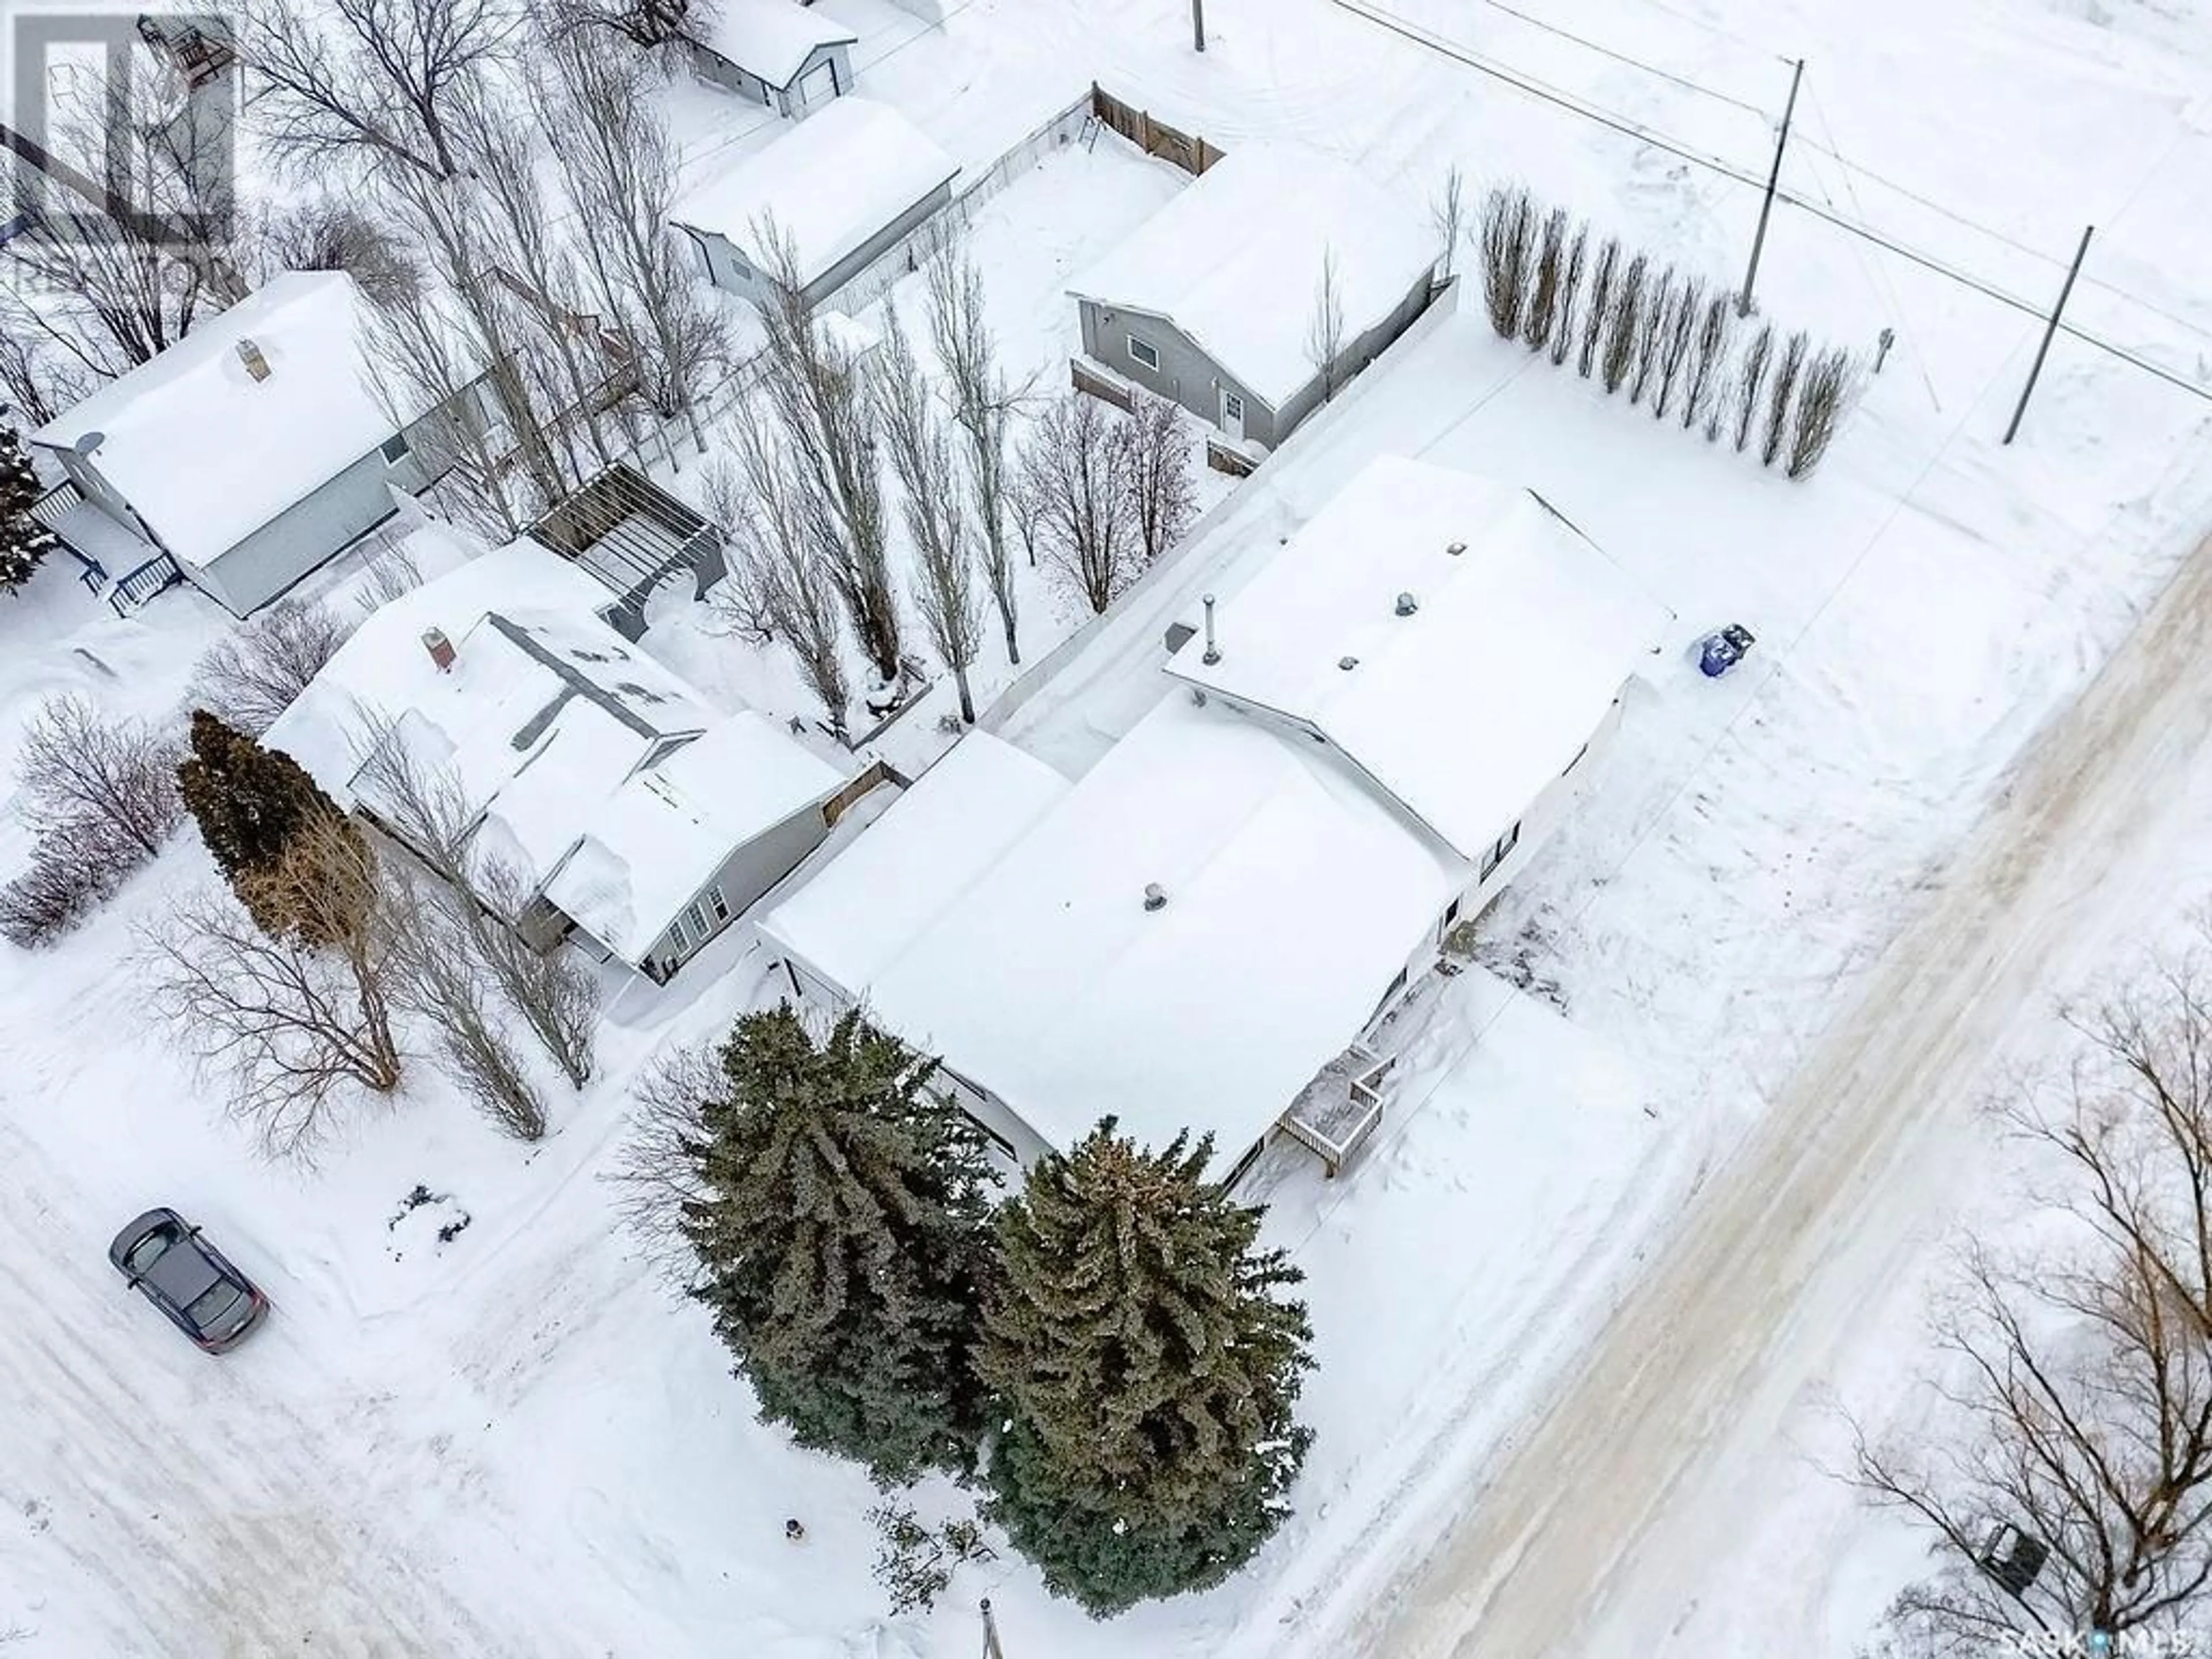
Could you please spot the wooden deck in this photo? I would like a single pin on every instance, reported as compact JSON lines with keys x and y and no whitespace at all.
{"x":1335,"y":1114}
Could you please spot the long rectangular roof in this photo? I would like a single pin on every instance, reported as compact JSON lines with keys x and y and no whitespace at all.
{"x":830,"y":183}
{"x":1293,"y":896}
{"x":1519,"y":635}
{"x":1234,"y":260}
{"x":205,"y":453}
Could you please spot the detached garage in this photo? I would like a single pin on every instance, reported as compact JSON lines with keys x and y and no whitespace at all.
{"x":845,"y":187}
{"x":785,"y":56}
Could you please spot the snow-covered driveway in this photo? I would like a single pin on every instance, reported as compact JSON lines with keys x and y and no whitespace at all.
{"x":1594,"y":1531}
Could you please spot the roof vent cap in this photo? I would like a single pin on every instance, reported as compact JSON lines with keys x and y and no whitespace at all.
{"x":1156,"y":896}
{"x":1407,"y":604}
{"x":1347,"y":664}
{"x":1455,"y":548}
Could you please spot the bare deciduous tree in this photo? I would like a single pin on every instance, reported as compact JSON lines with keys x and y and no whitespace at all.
{"x":390,"y":574}
{"x":287,"y":1024}
{"x":1750,"y":377}
{"x":983,"y":403}
{"x":1508,"y":246}
{"x":816,"y":387}
{"x":1821,"y":402}
{"x":1597,"y":319}
{"x":945,"y":590}
{"x":1074,"y":487}
{"x":328,"y":235}
{"x":253,"y":675}
{"x":78,"y":766}
{"x":654,"y":1176}
{"x":1625,"y":325}
{"x":1678,"y":334}
{"x":387,"y":78}
{"x":1325,"y":327}
{"x":441,"y":978}
{"x":615,"y":152}
{"x":1701,"y":395}
{"x":2076,"y":1405}
{"x":1786,"y":373}
{"x":1570,"y":282}
{"x":1449,"y":212}
{"x":795,"y":589}
{"x":1651,"y":322}
{"x":1550,"y":271}
{"x":1156,"y":464}
{"x":69,"y":877}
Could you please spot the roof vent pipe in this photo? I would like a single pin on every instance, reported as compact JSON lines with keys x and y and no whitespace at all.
{"x":1455,"y":548}
{"x":1156,"y":896}
{"x":1407,"y":604}
{"x":256,"y":364}
{"x":1347,"y":664}
{"x":1213,"y":651}
{"x":439,"y":647}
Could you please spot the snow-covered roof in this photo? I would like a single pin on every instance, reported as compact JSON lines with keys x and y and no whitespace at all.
{"x":771,"y":38}
{"x":1294,"y":895}
{"x":660,"y":837}
{"x":830,"y":183}
{"x":556,"y":731}
{"x":1234,"y":260}
{"x":875,"y":898}
{"x":205,"y":453}
{"x":1465,"y":709}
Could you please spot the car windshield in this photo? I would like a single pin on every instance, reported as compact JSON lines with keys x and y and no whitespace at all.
{"x":209,"y":1310}
{"x":146,"y":1252}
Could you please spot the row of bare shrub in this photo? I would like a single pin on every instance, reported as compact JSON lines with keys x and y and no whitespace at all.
{"x":1667,"y":339}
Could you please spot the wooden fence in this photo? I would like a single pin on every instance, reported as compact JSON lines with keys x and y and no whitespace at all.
{"x":1190,"y":153}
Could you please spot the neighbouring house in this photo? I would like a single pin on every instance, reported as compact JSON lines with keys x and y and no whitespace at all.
{"x":845,"y":187}
{"x":1205,"y":929}
{"x":789,"y":56}
{"x":603,"y":799}
{"x":243,"y":456}
{"x":1212,"y":303}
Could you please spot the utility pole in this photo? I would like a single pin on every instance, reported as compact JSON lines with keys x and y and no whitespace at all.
{"x":1198,"y":23}
{"x":991,"y":1647}
{"x":1773,"y":178}
{"x":2049,"y":329}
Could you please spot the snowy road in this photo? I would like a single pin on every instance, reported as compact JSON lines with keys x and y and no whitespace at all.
{"x":1596,"y":1528}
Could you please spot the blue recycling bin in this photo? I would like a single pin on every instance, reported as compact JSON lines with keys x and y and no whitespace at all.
{"x":1723,"y":649}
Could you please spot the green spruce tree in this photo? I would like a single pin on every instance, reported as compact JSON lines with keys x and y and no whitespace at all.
{"x":251,"y":804}
{"x":1146,"y":1370}
{"x":844,"y":1235}
{"x":23,"y":540}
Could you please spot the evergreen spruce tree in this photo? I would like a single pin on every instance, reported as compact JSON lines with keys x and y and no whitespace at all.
{"x":23,"y":540}
{"x":844,"y":1235}
{"x":251,"y":802}
{"x":1145,"y":1370}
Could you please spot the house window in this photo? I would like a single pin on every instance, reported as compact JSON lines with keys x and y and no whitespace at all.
{"x":1232,"y":406}
{"x":395,"y":448}
{"x":1451,"y":913}
{"x":722,"y":905}
{"x":676,"y":935}
{"x":1498,"y":850}
{"x":698,"y":916}
{"x":1145,"y":352}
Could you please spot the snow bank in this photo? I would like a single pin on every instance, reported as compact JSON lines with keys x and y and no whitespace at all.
{"x":1235,"y":259}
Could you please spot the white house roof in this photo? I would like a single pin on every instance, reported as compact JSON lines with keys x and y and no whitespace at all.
{"x":661,"y":836}
{"x":557,"y":732}
{"x":205,"y":453}
{"x":771,"y":38}
{"x":935,"y":841}
{"x":1293,"y":897}
{"x":830,"y":183}
{"x":1234,"y":260}
{"x":1465,"y":709}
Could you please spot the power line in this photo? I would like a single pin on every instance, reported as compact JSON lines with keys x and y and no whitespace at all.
{"x":1657,"y":141}
{"x":1681,"y":81}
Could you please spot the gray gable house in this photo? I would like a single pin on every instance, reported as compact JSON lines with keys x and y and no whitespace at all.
{"x":242,"y":458}
{"x":846,"y":187}
{"x":1211,"y":303}
{"x":788,"y":57}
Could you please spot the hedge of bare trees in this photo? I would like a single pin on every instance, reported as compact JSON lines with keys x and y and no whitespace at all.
{"x":1663,"y":335}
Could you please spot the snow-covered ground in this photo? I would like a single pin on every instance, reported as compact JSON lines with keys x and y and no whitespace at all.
{"x":516,"y":1442}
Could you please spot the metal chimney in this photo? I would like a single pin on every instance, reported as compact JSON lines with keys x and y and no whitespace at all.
{"x":439,"y":647}
{"x":1213,"y":651}
{"x":256,"y":364}
{"x":1156,"y":896}
{"x":1407,"y":604}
